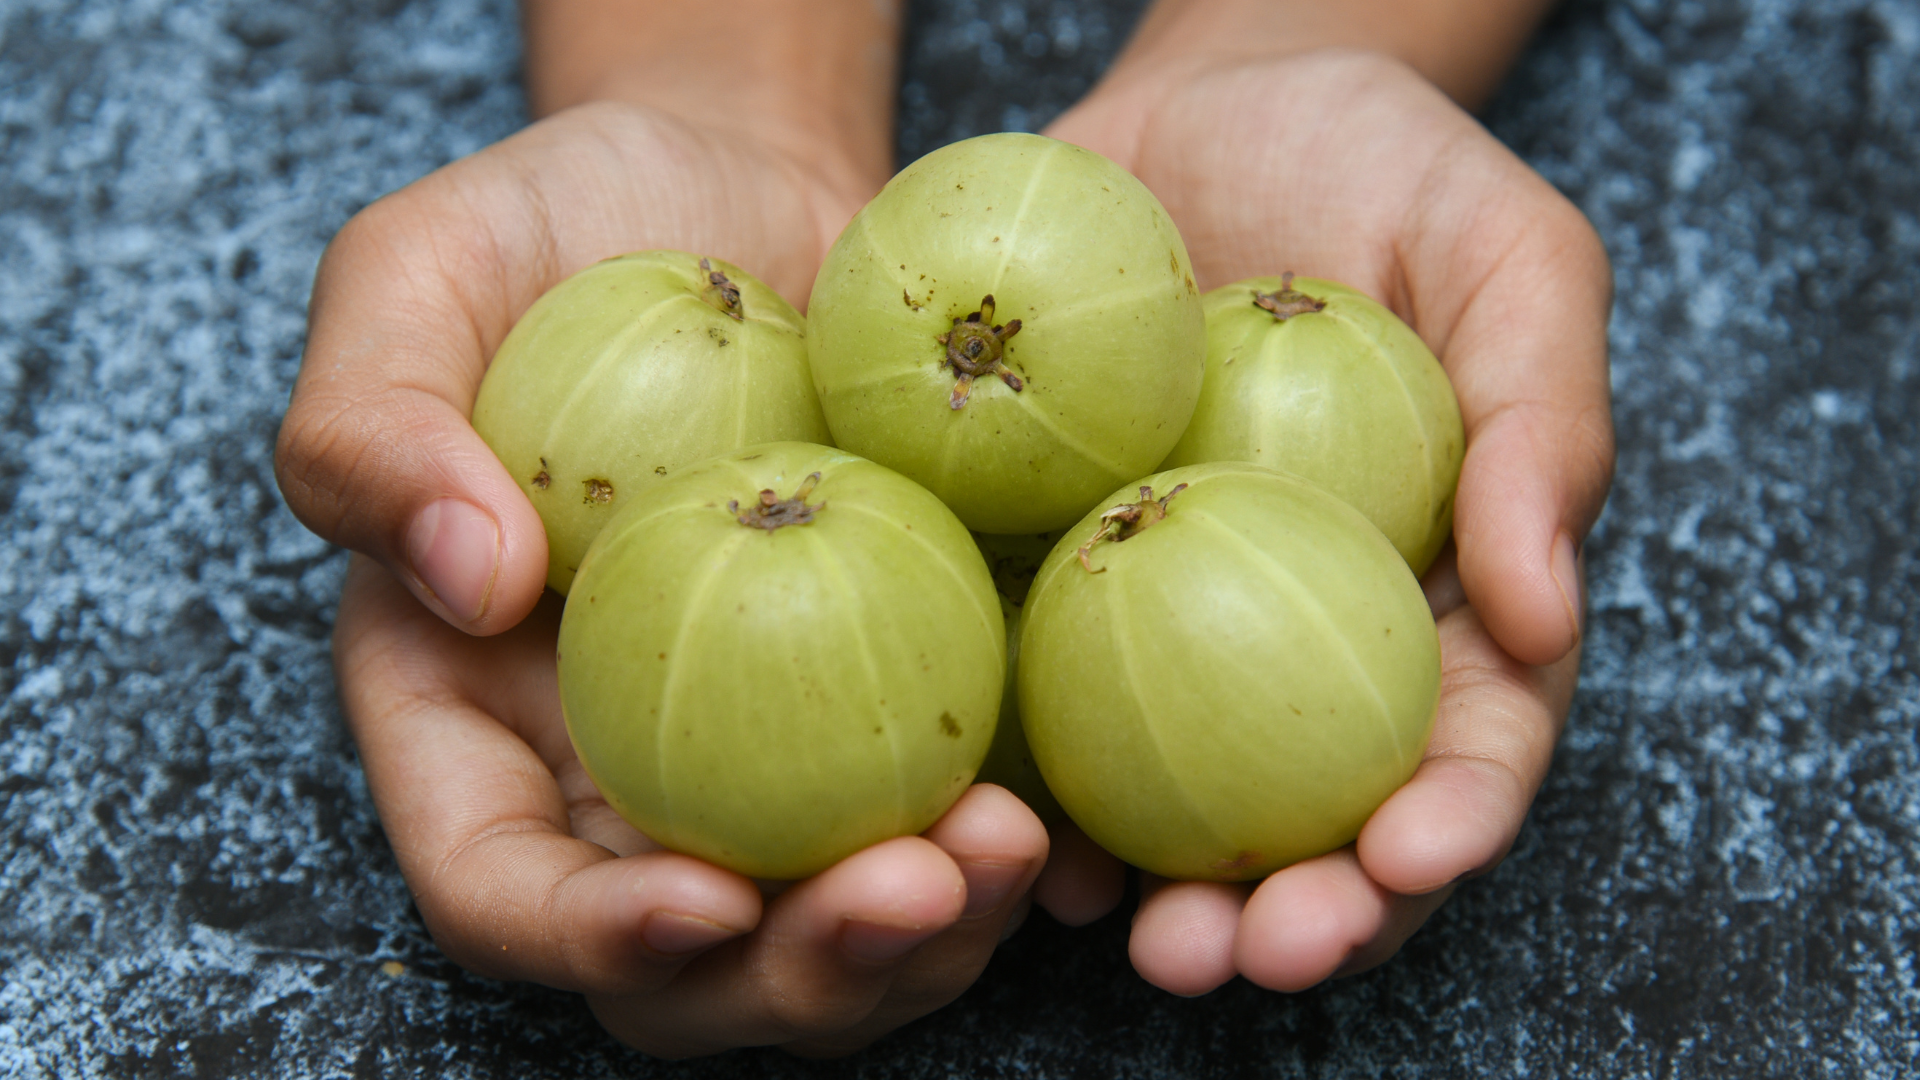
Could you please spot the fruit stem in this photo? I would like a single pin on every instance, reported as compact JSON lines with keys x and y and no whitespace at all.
{"x":1286,"y":301}
{"x":1128,"y":520}
{"x":774,"y":512}
{"x":728,"y":294}
{"x":976,"y":347}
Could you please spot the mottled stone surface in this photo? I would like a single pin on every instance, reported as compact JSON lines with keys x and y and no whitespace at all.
{"x":1718,"y":880}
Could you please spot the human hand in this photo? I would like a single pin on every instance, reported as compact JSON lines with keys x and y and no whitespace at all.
{"x":1348,"y":165}
{"x":522,"y":871}
{"x":752,"y":145}
{"x":414,"y":295}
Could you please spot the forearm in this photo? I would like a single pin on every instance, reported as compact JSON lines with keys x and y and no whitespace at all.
{"x":1462,"y":46}
{"x":815,"y":78}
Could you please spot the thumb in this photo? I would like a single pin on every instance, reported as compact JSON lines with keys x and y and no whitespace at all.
{"x":376,"y":452}
{"x":1528,"y":360}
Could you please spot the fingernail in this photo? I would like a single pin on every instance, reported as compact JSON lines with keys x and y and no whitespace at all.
{"x":1566,"y":574}
{"x":454,"y":547}
{"x":988,"y":885}
{"x":878,"y":944}
{"x":673,"y":935}
{"x":1469,"y":875}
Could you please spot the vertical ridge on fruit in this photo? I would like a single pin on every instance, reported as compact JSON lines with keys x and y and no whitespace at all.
{"x":1103,"y":351}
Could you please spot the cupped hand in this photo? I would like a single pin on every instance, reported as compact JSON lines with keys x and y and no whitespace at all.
{"x":1348,"y":166}
{"x":522,"y":871}
{"x":445,"y":651}
{"x":416,"y":292}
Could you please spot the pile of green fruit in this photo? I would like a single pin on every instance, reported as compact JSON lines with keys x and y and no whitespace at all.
{"x":1014,"y":502}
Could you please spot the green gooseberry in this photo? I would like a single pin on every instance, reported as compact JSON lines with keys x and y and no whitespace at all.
{"x":1014,"y":560}
{"x":631,"y":369}
{"x":778,"y":657}
{"x":1318,"y":379}
{"x":1013,"y":323}
{"x":1228,"y":675}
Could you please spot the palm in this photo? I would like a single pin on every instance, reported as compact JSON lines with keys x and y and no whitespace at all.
{"x":1349,"y":189}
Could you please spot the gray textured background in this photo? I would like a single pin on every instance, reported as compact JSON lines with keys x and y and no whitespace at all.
{"x":1718,"y":880}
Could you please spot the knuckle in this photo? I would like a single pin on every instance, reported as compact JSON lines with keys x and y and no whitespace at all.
{"x":338,"y":450}
{"x":1511,"y":734}
{"x":304,"y":458}
{"x":322,"y":445}
{"x":813,"y":1013}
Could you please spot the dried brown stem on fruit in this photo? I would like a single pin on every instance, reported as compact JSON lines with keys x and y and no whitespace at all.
{"x":1126,"y":521}
{"x":727,"y":294}
{"x":772,"y":512}
{"x":1286,"y":301}
{"x":976,"y":347}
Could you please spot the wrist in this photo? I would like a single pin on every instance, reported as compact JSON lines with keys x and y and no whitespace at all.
{"x":814,"y":81}
{"x":1462,"y":46}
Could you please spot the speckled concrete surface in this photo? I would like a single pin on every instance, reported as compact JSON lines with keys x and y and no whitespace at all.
{"x":1718,"y":880}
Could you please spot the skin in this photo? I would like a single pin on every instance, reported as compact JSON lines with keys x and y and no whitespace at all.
{"x":756,"y":145}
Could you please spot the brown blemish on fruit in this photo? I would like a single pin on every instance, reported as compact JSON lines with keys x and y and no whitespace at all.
{"x":659,"y":470}
{"x":1237,"y":863}
{"x":597,"y":491}
{"x":1128,"y":520}
{"x":722,"y":293}
{"x":908,"y":300}
{"x":949,"y":726}
{"x":976,"y":347}
{"x":541,"y":480}
{"x":773,"y":512}
{"x":1286,"y":301}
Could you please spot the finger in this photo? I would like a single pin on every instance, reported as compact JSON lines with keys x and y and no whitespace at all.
{"x":376,"y":452}
{"x":1405,"y":916}
{"x":1321,"y":917}
{"x":1021,"y":909}
{"x":1183,"y":933}
{"x":1525,"y":345}
{"x":480,"y":829}
{"x":825,"y":954}
{"x":1081,"y":881}
{"x":415,"y":294}
{"x":999,"y":846}
{"x":1491,"y":745}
